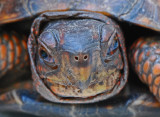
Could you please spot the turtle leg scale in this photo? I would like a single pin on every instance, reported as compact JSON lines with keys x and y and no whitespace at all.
{"x":145,"y":58}
{"x":13,"y":52}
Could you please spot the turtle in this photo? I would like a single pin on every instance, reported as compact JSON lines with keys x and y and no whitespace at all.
{"x":78,"y":57}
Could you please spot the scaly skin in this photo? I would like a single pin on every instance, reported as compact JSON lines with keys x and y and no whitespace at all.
{"x":13,"y":52}
{"x":145,"y":58}
{"x":14,"y":59}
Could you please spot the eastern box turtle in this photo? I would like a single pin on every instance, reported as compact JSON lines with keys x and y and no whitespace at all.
{"x":78,"y":57}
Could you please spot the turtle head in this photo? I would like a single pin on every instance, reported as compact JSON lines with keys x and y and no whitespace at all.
{"x":79,"y":60}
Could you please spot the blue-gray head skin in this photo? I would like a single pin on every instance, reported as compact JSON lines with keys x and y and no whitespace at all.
{"x":77,"y":57}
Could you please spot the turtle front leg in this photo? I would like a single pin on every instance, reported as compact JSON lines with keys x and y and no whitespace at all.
{"x":145,"y":58}
{"x":13,"y":52}
{"x":14,"y":58}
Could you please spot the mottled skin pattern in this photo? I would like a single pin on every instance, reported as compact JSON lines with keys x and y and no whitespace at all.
{"x":145,"y":55}
{"x":76,"y":71}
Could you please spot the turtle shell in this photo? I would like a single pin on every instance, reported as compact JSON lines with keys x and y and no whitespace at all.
{"x":141,"y":12}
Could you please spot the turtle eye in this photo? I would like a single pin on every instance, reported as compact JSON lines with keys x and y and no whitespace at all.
{"x":113,"y":47}
{"x":43,"y":54}
{"x":48,"y":59}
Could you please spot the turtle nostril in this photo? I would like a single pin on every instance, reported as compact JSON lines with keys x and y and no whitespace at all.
{"x":76,"y":58}
{"x":85,"y":57}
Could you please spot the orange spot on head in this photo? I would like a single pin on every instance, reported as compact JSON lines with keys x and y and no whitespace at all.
{"x":95,"y":36}
{"x":156,"y":69}
{"x":39,"y":68}
{"x":36,"y":32}
{"x":120,"y":57}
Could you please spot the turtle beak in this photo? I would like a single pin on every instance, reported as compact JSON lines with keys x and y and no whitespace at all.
{"x":82,"y":68}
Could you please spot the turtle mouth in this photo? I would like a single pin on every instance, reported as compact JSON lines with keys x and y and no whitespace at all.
{"x":97,"y":89}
